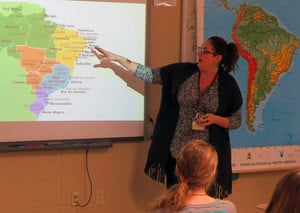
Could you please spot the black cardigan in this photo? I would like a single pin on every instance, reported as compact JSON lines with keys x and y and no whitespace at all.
{"x":230,"y":100}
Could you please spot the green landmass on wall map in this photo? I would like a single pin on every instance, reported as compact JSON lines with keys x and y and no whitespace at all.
{"x":268,"y":49}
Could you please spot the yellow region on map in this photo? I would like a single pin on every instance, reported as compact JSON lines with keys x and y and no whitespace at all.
{"x":69,"y":46}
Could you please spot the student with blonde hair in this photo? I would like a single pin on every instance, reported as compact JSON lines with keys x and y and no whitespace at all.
{"x":286,"y":195}
{"x":196,"y":170}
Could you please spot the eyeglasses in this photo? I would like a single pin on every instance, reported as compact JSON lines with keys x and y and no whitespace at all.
{"x":205,"y":51}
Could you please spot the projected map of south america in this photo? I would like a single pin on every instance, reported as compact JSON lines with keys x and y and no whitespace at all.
{"x":46,"y":65}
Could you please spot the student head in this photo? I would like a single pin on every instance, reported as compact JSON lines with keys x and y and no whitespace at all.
{"x":196,"y":169}
{"x":286,"y":195}
{"x":196,"y":164}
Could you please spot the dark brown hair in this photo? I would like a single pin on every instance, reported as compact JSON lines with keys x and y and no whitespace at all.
{"x":196,"y":167}
{"x":286,"y":195}
{"x":229,"y":52}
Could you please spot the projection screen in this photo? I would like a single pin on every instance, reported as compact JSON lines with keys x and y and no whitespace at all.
{"x":49,"y":87}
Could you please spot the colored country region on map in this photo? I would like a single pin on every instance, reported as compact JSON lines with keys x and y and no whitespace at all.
{"x":69,"y":46}
{"x":47,"y":53}
{"x":24,"y":23}
{"x":36,"y":65}
{"x":268,"y":49}
{"x":59,"y":79}
{"x":16,"y":95}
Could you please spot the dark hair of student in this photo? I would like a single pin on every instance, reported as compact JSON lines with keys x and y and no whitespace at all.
{"x":286,"y":195}
{"x":229,"y":52}
{"x":196,"y":168}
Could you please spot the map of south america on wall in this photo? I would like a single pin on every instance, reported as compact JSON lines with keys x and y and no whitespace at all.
{"x":269,"y":69}
{"x":46,"y":64}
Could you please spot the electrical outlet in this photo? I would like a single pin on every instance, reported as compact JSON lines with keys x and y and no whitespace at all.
{"x":100,"y":197}
{"x":75,"y":198}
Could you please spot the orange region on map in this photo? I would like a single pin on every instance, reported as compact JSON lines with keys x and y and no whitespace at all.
{"x":282,"y":58}
{"x":36,"y":65}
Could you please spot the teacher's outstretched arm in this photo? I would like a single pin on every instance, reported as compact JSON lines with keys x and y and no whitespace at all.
{"x":104,"y":55}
